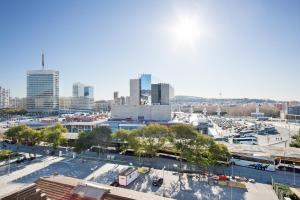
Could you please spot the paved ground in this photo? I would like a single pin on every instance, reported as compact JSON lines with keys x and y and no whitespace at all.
{"x":183,"y":187}
{"x":102,"y":172}
{"x":18,"y":175}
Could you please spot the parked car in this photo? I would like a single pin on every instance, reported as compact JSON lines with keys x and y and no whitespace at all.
{"x":157,"y":182}
{"x":115,"y":184}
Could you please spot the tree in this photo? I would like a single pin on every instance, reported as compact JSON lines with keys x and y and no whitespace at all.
{"x":14,"y":133}
{"x":206,"y":152}
{"x":11,"y":111}
{"x":23,"y":133}
{"x":151,"y":138}
{"x":127,"y":140}
{"x":83,"y":142}
{"x":36,"y":137}
{"x":200,"y":153}
{"x":182,"y":138}
{"x":296,"y":140}
{"x":55,"y":135}
{"x":123,"y":137}
{"x":101,"y":136}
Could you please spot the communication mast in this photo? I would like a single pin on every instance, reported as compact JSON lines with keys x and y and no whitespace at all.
{"x":219,"y":106}
{"x":43,"y":61}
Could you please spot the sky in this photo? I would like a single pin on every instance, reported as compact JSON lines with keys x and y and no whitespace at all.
{"x":243,"y":49}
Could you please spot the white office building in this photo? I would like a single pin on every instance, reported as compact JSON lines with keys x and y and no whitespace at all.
{"x":65,"y":103}
{"x":78,"y":89}
{"x":83,"y":97}
{"x":42,"y":91}
{"x":4,"y":97}
{"x":148,"y":102}
{"x":17,"y":103}
{"x":142,"y":112}
{"x":134,"y":91}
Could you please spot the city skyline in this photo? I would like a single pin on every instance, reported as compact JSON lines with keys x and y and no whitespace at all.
{"x":248,"y":52}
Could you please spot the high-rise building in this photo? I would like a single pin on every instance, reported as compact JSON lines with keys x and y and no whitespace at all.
{"x":102,"y":106}
{"x":140,"y":90}
{"x":147,"y":102}
{"x":83,"y":97}
{"x":42,"y":91}
{"x":65,"y":103}
{"x":135,"y":91}
{"x":145,"y":89}
{"x":89,"y":92}
{"x":116,"y":95}
{"x":127,"y":100}
{"x":17,"y":103}
{"x":78,"y":89}
{"x":4,"y":97}
{"x":161,"y":93}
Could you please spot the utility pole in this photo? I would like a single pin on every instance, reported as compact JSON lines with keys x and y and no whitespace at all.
{"x":230,"y":181}
{"x":294,"y":165}
{"x":8,"y":164}
{"x":43,"y":61}
{"x":164,"y":180}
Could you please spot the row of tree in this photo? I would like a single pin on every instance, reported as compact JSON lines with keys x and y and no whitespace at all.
{"x":24,"y":134}
{"x":181,"y":140}
{"x":296,"y":140}
{"x":12,"y":111}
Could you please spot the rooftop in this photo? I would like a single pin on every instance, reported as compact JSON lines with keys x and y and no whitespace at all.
{"x":68,"y":188}
{"x":127,"y":171}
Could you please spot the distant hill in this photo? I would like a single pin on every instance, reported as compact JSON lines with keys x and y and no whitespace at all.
{"x":193,"y":99}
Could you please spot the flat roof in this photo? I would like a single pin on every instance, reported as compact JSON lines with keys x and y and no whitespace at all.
{"x":91,"y":123}
{"x":129,"y":125}
{"x":45,"y":71}
{"x":128,"y":171}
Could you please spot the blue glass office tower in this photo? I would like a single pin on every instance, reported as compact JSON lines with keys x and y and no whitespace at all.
{"x":89,"y":91}
{"x":145,"y":89}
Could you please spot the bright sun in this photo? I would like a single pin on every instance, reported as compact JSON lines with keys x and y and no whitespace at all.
{"x":186,"y":31}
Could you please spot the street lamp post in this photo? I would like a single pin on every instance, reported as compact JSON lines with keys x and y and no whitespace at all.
{"x":164,"y":180}
{"x":231,"y":180}
{"x":289,"y":133}
{"x":8,"y":164}
{"x":294,"y":165}
{"x":98,"y":151}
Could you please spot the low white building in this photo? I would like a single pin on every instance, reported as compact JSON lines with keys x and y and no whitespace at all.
{"x":82,"y":103}
{"x":142,"y":112}
{"x":128,"y":176}
{"x":77,"y":127}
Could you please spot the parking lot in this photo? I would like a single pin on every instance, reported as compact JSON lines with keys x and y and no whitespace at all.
{"x":106,"y":172}
{"x":174,"y":186}
{"x":181,"y":187}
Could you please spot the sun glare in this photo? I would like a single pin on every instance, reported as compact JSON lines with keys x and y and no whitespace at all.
{"x":186,"y":31}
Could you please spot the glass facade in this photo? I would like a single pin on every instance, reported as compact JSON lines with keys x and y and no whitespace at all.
{"x":78,"y":90}
{"x":43,"y":91}
{"x":83,"y":97}
{"x":145,"y":89}
{"x":89,"y":91}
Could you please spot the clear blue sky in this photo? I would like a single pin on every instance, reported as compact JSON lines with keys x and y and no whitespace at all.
{"x":242,"y":48}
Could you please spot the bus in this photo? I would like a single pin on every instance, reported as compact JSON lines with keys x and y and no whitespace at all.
{"x":287,"y":163}
{"x":245,"y":140}
{"x":253,"y":161}
{"x":170,"y":156}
